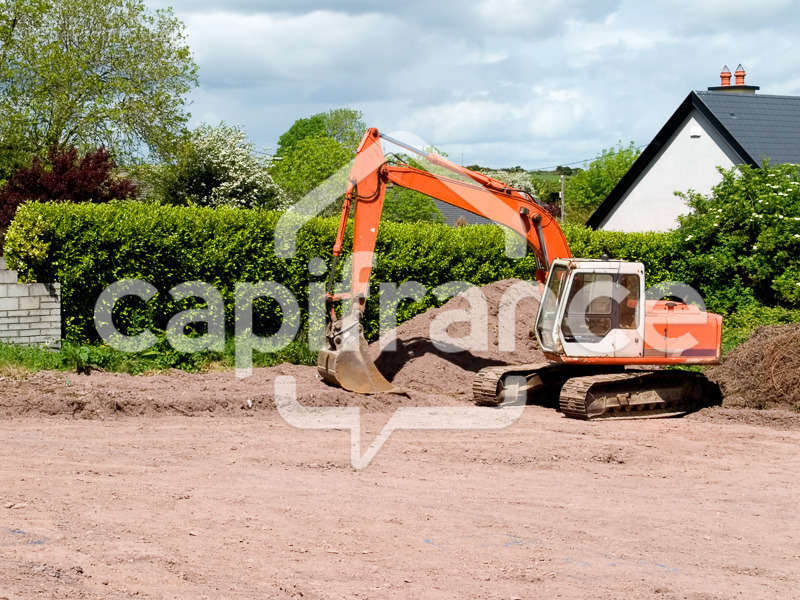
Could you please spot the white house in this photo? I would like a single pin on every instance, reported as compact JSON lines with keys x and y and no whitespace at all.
{"x":724,"y":126}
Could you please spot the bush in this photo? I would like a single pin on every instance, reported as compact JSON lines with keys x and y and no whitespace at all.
{"x":216,"y":166}
{"x":66,"y":179}
{"x":87,"y":247}
{"x":742,"y":242}
{"x":655,"y":250}
{"x":403,"y":205}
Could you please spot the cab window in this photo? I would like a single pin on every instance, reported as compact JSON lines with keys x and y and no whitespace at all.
{"x":589,"y":312}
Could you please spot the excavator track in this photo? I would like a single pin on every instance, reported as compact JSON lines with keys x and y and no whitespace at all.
{"x":488,"y":385}
{"x":636,"y":395}
{"x":491,"y":386}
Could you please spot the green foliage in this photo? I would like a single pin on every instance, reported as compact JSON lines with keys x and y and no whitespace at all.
{"x":588,"y":188}
{"x":346,"y":126}
{"x":216,"y":166}
{"x":28,"y":358}
{"x":655,"y":250}
{"x":83,"y":358}
{"x":88,"y":247}
{"x":547,"y":187}
{"x":92,"y":72}
{"x":402,"y":205}
{"x":308,"y":163}
{"x":740,"y":325}
{"x":742,"y":242}
{"x":343,"y":125}
{"x":308,"y":127}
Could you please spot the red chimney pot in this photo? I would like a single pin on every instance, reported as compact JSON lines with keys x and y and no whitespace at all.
{"x":725,"y":76}
{"x":740,"y":73}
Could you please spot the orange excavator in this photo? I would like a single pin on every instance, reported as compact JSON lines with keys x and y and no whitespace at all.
{"x":606,"y":345}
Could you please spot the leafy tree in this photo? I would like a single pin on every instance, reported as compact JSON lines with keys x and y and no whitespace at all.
{"x":92,"y":178}
{"x":309,"y":127}
{"x":742,"y":242}
{"x":307,"y":163}
{"x":343,"y":125}
{"x":346,"y":126}
{"x":587,"y":189}
{"x":217,"y":166}
{"x":90,"y":72}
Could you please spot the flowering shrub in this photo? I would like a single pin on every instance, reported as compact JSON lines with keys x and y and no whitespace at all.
{"x":218,"y":166}
{"x":742,"y":242}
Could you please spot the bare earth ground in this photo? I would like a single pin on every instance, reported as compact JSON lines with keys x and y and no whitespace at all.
{"x":121,"y":495}
{"x":192,"y":486}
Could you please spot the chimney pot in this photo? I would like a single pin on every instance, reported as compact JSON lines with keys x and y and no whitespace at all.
{"x":740,"y":73}
{"x":725,"y":76}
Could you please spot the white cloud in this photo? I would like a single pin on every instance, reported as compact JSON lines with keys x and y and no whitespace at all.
{"x":503,"y":81}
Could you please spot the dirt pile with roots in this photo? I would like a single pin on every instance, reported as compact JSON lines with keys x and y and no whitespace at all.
{"x":506,"y":312}
{"x":764,"y":372}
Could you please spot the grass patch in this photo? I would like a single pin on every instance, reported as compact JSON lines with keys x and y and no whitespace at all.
{"x":16,"y":361}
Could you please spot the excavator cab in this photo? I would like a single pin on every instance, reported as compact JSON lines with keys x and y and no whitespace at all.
{"x":592,"y":308}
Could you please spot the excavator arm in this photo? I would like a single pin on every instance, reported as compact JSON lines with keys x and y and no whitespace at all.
{"x":345,"y":361}
{"x":484,"y":196}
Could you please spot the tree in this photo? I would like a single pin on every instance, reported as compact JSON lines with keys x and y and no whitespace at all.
{"x":217,"y":166}
{"x":308,"y":127}
{"x":742,"y":242}
{"x":587,"y":189}
{"x":307,"y":163}
{"x":346,"y":126}
{"x":343,"y":125}
{"x":91,"y":72}
{"x":93,"y":178}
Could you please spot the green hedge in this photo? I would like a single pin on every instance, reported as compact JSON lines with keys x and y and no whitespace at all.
{"x":86,"y":247}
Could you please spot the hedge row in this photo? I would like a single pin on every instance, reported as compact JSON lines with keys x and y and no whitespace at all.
{"x":86,"y":247}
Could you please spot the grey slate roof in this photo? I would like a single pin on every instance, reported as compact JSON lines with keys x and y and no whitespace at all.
{"x":452,"y":213}
{"x":764,"y":125}
{"x":756,"y":126}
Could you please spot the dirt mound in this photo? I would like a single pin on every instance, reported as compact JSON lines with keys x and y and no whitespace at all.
{"x":509,"y":308}
{"x":764,"y":372}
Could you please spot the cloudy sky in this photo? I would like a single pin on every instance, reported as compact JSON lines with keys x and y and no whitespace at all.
{"x":494,"y":82}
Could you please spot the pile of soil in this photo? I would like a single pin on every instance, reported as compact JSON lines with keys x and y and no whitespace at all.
{"x":418,"y":363}
{"x":764,"y":372}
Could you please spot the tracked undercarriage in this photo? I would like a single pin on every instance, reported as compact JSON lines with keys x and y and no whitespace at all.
{"x":594,"y":392}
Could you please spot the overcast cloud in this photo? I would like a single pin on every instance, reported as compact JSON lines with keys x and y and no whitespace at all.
{"x":497,"y":82}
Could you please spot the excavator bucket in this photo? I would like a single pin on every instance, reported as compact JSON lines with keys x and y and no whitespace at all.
{"x":346,"y":361}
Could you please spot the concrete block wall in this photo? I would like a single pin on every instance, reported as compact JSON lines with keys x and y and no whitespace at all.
{"x":30,"y":313}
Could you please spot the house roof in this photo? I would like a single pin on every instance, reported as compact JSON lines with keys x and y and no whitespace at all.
{"x":755,"y":126}
{"x":766,"y":126}
{"x":452,"y":213}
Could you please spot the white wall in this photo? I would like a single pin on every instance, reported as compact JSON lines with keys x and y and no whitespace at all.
{"x":687,"y":161}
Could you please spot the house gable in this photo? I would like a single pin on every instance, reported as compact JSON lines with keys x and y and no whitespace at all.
{"x":691,"y":154}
